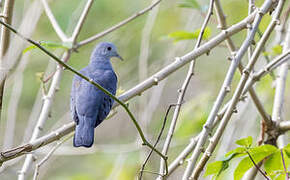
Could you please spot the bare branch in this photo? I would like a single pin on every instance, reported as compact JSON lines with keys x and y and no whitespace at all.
{"x":117,"y":26}
{"x":81,"y":21}
{"x":213,"y":142}
{"x":280,"y":89}
{"x":284,"y":126}
{"x":38,"y":165}
{"x":54,"y":22}
{"x":284,"y":164}
{"x":182,"y":92}
{"x":157,"y":140}
{"x":5,"y":41}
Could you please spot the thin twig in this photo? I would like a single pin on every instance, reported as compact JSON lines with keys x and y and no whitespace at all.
{"x":214,"y":141}
{"x":284,"y":164}
{"x":157,"y":140}
{"x":49,"y":154}
{"x":280,"y":89}
{"x":182,"y":91}
{"x":263,"y":173}
{"x":54,"y":22}
{"x":81,"y":21}
{"x":117,"y":26}
{"x":5,"y":41}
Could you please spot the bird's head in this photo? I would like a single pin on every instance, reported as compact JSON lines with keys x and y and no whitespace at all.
{"x":106,"y":49}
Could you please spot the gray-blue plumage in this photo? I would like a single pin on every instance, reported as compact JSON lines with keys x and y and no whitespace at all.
{"x":89,"y":105}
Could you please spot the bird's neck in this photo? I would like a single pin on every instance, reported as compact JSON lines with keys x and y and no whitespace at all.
{"x":100,"y":64}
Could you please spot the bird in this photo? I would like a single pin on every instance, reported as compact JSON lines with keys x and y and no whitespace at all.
{"x":89,"y":105}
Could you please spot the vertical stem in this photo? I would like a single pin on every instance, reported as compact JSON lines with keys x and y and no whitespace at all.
{"x":4,"y":43}
{"x":280,"y":89}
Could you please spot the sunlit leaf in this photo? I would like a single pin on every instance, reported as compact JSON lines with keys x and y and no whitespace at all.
{"x":246,"y":142}
{"x":49,"y":45}
{"x":181,"y":35}
{"x":277,"y":49}
{"x":238,"y":150}
{"x":213,"y":168}
{"x":218,"y":167}
{"x":258,"y":154}
{"x":206,"y":34}
{"x":286,"y":149}
{"x":274,"y":165}
{"x":266,"y":53}
{"x":185,"y":35}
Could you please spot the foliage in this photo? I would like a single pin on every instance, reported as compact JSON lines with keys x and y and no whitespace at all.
{"x":49,"y":45}
{"x":270,"y":154}
{"x":185,"y":35}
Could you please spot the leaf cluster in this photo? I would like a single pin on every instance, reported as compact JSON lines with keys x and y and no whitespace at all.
{"x":272,"y":156}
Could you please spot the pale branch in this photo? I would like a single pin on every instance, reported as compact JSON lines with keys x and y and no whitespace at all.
{"x":153,"y":80}
{"x":117,"y":26}
{"x":4,"y":42}
{"x":190,"y":147}
{"x":284,"y":126}
{"x":81,"y":21}
{"x":157,"y":140}
{"x":179,"y":160}
{"x":215,"y":139}
{"x":54,"y":85}
{"x":37,"y":143}
{"x":47,"y":103}
{"x":49,"y":154}
{"x":279,"y":97}
{"x":181,"y":61}
{"x":222,"y":25}
{"x":266,"y":70}
{"x":54,"y":22}
{"x":63,"y":64}
{"x":225,"y":89}
{"x":182,"y":92}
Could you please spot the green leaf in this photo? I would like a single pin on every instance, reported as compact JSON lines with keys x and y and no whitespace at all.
{"x":277,"y":49}
{"x":218,"y":167}
{"x":185,"y":35}
{"x":49,"y":45}
{"x":189,"y":4}
{"x":213,"y":168}
{"x":206,"y":33}
{"x":274,"y":165}
{"x":286,"y":149}
{"x":246,"y":142}
{"x":181,"y":35}
{"x":238,"y":150}
{"x":258,"y":154}
{"x":266,"y":53}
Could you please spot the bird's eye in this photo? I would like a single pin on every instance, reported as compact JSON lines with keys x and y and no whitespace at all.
{"x":109,"y":48}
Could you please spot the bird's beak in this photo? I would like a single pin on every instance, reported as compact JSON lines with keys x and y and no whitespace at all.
{"x":118,"y":56}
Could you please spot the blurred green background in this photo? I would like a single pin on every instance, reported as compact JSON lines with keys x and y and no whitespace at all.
{"x":115,"y":148}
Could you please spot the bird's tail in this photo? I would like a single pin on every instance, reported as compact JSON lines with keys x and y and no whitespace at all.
{"x":84,"y":133}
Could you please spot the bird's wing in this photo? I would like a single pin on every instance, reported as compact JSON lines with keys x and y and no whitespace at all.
{"x":107,"y":102}
{"x":75,"y":86}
